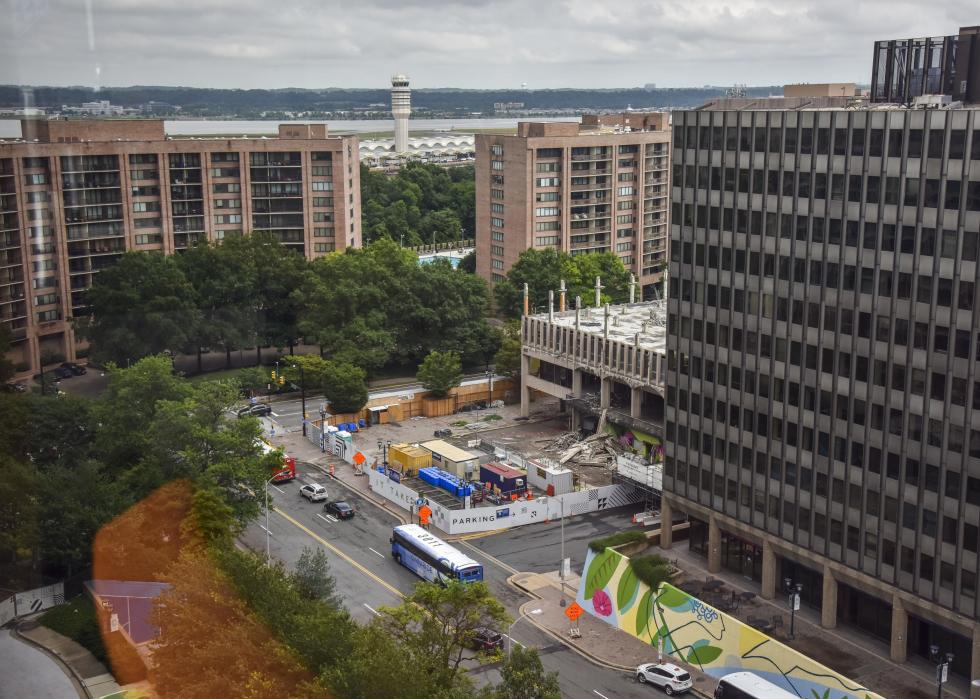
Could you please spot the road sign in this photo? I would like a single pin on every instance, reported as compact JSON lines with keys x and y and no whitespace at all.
{"x":359,"y":458}
{"x":574,"y":611}
{"x":794,"y":602}
{"x":944,"y":673}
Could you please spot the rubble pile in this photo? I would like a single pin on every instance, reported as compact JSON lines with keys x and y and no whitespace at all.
{"x":595,"y":450}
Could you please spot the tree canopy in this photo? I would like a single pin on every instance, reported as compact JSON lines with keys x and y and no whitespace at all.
{"x":543,"y":270}
{"x":418,"y":204}
{"x":440,"y":372}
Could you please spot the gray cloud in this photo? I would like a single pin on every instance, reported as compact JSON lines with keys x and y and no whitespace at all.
{"x":461,"y":43}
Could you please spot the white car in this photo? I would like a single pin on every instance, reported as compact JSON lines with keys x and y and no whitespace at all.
{"x":669,"y":677}
{"x":314,"y":492}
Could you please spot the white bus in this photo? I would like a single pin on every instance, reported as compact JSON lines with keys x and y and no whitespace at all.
{"x":431,"y":558}
{"x":746,"y":685}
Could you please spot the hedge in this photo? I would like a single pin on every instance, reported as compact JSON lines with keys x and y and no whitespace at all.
{"x":631,"y":536}
{"x":652,"y":569}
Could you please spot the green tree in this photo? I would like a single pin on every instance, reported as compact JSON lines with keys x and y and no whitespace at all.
{"x":315,"y":369}
{"x":468,"y":263}
{"x":543,"y":270}
{"x":523,"y":677}
{"x":140,"y":306}
{"x":442,"y":225}
{"x":225,"y":285}
{"x":312,"y":577}
{"x":7,"y":368}
{"x":436,"y":625}
{"x":19,"y":533}
{"x":507,"y":360}
{"x":344,"y":387}
{"x":440,"y":372}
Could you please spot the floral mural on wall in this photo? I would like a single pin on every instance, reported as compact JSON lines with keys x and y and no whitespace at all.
{"x":699,"y":634}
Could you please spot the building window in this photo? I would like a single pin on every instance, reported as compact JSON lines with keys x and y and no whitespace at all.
{"x":496,"y":222}
{"x":147,"y":238}
{"x":625,"y":191}
{"x":496,"y":149}
{"x":497,"y":264}
{"x":546,"y":211}
{"x":547,"y":182}
{"x":322,"y":186}
{"x":497,"y":235}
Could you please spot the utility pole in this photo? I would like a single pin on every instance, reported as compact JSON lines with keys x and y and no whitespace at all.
{"x":562,"y":570}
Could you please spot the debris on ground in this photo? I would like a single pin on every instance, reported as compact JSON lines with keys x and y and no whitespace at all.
{"x":595,"y":450}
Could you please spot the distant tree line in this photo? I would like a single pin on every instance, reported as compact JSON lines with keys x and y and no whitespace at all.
{"x":209,"y":101}
{"x":418,"y":204}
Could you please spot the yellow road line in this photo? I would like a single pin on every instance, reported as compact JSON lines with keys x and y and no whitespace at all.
{"x":380,"y":581}
{"x":496,"y":561}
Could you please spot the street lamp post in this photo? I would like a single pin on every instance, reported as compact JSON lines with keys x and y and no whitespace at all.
{"x":562,"y":569}
{"x":302,"y":392}
{"x":510,"y":640}
{"x":794,"y":590}
{"x":268,"y":545}
{"x":943,"y":661}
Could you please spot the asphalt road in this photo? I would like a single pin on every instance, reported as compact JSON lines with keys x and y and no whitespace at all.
{"x":28,"y":672}
{"x":368,"y":578}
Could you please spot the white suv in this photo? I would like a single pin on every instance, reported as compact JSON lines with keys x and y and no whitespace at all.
{"x":314,"y":492}
{"x":669,"y":677}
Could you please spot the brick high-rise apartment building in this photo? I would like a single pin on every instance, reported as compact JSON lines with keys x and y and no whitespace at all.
{"x":823,"y":388}
{"x":599,"y":186}
{"x":74,"y":195}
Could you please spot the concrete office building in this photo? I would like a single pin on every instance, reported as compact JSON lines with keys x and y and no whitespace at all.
{"x":401,"y":110}
{"x":823,"y":389}
{"x":598,"y":186}
{"x":74,"y":195}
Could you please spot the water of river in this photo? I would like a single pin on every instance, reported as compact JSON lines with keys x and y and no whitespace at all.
{"x":10,"y":128}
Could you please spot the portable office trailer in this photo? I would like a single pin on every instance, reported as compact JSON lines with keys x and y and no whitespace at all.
{"x":551,"y":480}
{"x":452,"y":459}
{"x":503,"y":479}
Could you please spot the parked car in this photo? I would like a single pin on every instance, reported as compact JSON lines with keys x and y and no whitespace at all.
{"x":485,"y":639}
{"x":15,"y":388}
{"x":257,"y":410}
{"x":62,"y":373}
{"x":314,"y":492}
{"x":443,"y":433}
{"x":339,"y":509}
{"x":74,"y":368}
{"x":667,"y":676}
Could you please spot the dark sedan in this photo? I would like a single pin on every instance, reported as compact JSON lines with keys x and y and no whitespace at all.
{"x":74,"y":368}
{"x":339,"y":509}
{"x":257,"y":410}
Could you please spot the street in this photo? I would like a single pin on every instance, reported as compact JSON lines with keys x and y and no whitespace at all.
{"x":368,"y":578}
{"x":29,"y":672}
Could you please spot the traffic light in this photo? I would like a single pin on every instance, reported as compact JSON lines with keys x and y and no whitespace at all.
{"x":282,"y":380}
{"x":272,"y":375}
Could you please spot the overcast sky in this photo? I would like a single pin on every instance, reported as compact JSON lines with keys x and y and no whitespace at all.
{"x":457,"y":43}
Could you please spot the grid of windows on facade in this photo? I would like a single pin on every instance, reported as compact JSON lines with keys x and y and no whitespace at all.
{"x":91,"y":191}
{"x":823,"y":348}
{"x":277,"y":195}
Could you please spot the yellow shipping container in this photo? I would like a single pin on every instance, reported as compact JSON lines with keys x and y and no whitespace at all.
{"x":409,"y":458}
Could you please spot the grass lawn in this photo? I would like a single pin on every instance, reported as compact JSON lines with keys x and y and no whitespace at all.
{"x":77,"y":621}
{"x":215,"y":375}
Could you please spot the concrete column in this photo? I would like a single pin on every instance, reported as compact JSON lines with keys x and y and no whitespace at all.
{"x":666,"y":524}
{"x":768,"y":571}
{"x":636,"y":400}
{"x":900,"y":631}
{"x":714,"y":545}
{"x":975,"y":663}
{"x":605,"y":392}
{"x":525,"y":391}
{"x":828,"y":608}
{"x":577,"y":382}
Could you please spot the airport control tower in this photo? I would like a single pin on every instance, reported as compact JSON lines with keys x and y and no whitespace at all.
{"x":401,"y":110}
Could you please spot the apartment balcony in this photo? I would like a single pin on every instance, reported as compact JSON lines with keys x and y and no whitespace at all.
{"x":591,"y":157}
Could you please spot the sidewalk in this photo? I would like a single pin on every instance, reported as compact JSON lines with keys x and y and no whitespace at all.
{"x":600,"y":642}
{"x":87,"y":671}
{"x":845,"y":650}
